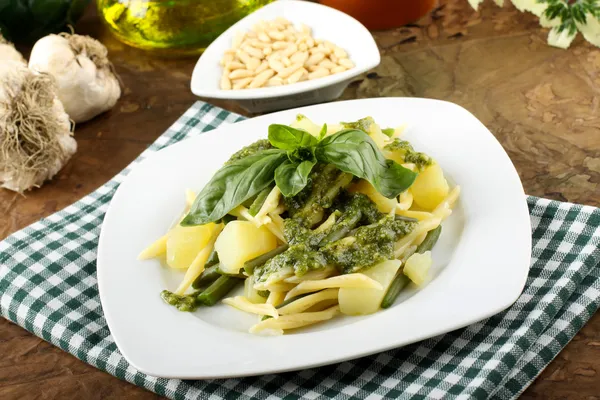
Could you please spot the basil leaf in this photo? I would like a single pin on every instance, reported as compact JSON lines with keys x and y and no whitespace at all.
{"x":388,"y":131}
{"x":288,"y":138}
{"x":233,"y":184}
{"x":353,"y":151}
{"x":323,"y":132}
{"x":291,"y":177}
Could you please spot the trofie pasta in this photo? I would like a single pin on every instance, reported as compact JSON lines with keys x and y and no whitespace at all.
{"x":314,"y":221}
{"x":274,"y":53}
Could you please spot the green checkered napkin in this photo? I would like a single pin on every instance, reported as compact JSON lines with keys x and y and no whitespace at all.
{"x":48,"y":286}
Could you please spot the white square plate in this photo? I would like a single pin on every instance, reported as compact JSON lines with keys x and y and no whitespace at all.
{"x":480,"y":263}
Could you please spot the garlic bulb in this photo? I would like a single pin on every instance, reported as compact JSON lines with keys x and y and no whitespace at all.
{"x":8,"y":51}
{"x":86,"y":83}
{"x":35,"y":131}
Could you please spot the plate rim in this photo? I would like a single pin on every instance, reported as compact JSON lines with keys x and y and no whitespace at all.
{"x":152,"y":370}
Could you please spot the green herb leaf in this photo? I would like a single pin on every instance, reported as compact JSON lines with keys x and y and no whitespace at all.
{"x":233,"y":184}
{"x":388,"y":131}
{"x":288,"y":138}
{"x":291,"y":177}
{"x":323,"y":132}
{"x":353,"y":151}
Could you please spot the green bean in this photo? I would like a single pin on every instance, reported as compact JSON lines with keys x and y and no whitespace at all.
{"x":217,"y":290}
{"x":263,"y":258}
{"x":259,"y":201}
{"x":430,"y":240}
{"x":399,"y":283}
{"x":207,"y":277}
{"x":342,"y":228}
{"x":213,"y":259}
{"x":183,"y":303}
{"x":223,"y":273}
{"x":291,"y":300}
{"x":403,"y":218}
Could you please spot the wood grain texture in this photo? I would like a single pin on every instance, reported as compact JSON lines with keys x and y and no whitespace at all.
{"x":540,"y":102}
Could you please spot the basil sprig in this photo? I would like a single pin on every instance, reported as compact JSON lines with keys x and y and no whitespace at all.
{"x":290,"y":164}
{"x":353,"y":151}
{"x":233,"y":184}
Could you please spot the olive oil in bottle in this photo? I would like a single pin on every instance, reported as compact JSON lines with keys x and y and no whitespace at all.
{"x":177,"y":27}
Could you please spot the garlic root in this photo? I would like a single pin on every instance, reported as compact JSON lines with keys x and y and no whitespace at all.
{"x":9,"y":53}
{"x":87,"y":85}
{"x":35,"y":132}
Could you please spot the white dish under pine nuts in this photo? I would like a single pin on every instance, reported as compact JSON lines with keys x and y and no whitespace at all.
{"x":275,"y":53}
{"x":333,"y":29}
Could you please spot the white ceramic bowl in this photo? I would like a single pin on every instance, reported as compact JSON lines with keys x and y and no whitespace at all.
{"x":326,"y":23}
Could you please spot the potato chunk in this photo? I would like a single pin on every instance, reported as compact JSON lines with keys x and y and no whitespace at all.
{"x":360,"y":301}
{"x":241,"y":241}
{"x":430,"y":188}
{"x":384,"y":204}
{"x":185,"y":242}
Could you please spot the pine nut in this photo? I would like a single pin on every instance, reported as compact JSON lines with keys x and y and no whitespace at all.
{"x":286,"y":72}
{"x":260,"y":79}
{"x":321,"y":49}
{"x":282,"y":21}
{"x":275,"y":52}
{"x":251,"y":62}
{"x":340,"y":53}
{"x":329,"y":45}
{"x":276,"y":35}
{"x":296,"y":76}
{"x":259,"y":45}
{"x":234,"y":65}
{"x":279,"y":45}
{"x":276,"y":81}
{"x":319,"y":73}
{"x":263,"y":66}
{"x":305,"y":29}
{"x":314,"y":59}
{"x":291,"y":49}
{"x":254,"y":52}
{"x":327,"y":64}
{"x":300,"y":57}
{"x":263,"y":37}
{"x":227,"y":58}
{"x":346,"y":63}
{"x":237,"y":40}
{"x":240,"y":73}
{"x":241,"y":83}
{"x":225,"y":82}
{"x":276,"y":65}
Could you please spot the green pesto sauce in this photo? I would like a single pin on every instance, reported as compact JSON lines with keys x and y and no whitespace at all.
{"x":408,"y":153}
{"x":360,"y":237}
{"x":363,"y":124}
{"x":249,"y":150}
{"x":368,"y":245}
{"x":324,"y":185}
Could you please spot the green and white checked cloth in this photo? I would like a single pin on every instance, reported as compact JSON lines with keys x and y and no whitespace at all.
{"x":48,"y":286}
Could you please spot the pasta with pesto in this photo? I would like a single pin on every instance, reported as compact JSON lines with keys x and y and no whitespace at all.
{"x":316,"y":221}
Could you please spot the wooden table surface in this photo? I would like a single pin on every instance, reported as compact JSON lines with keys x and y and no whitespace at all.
{"x":542,"y":103}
